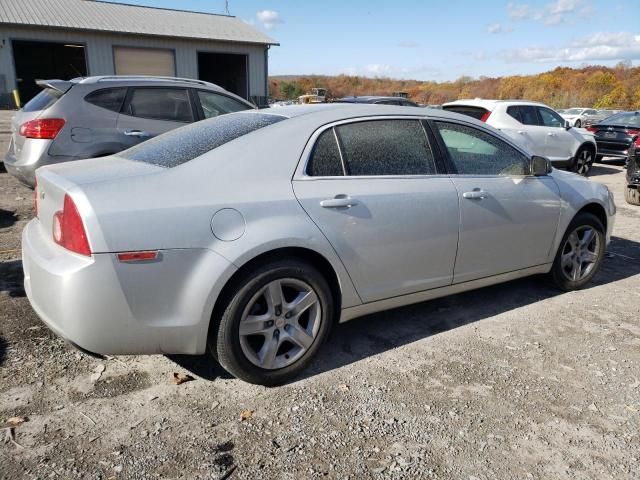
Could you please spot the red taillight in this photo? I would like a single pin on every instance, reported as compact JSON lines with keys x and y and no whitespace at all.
{"x":592,"y":129}
{"x":35,"y":197}
{"x":43,"y":128}
{"x":637,"y":142}
{"x":485,"y":116}
{"x":632,"y":131}
{"x":68,"y":229}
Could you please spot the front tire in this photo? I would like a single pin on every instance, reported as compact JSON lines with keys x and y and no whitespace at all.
{"x":632,"y":195}
{"x":273,"y":322}
{"x":580,"y":253}
{"x":583,"y":161}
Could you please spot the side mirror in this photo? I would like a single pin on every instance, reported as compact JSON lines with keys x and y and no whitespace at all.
{"x":567,"y":124}
{"x":539,"y":166}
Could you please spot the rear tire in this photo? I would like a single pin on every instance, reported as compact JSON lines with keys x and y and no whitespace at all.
{"x":632,"y":195}
{"x":260,"y":337}
{"x":583,"y":161}
{"x":580,"y":254}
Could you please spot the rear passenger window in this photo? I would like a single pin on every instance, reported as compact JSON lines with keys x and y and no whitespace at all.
{"x":385,"y":147}
{"x":109,"y":98}
{"x":525,"y":114}
{"x":474,"y":152}
{"x":325,"y":159}
{"x":170,"y":104}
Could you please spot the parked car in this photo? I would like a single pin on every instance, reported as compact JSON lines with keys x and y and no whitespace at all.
{"x":578,"y":116}
{"x":615,"y":134}
{"x":536,"y":127}
{"x":380,"y":100}
{"x":98,"y":116}
{"x":598,"y":117}
{"x":632,"y":190}
{"x":255,"y":240}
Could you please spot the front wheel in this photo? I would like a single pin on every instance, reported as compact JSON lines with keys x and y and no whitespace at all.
{"x":583,"y":161}
{"x":580,"y":254}
{"x":273,"y":323}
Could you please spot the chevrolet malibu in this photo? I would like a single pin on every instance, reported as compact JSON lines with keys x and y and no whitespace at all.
{"x":250,"y":235}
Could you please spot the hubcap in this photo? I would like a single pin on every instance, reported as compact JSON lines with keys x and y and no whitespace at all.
{"x":580,"y":253}
{"x":280,"y":323}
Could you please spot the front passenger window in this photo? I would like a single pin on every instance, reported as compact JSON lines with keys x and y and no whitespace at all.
{"x":550,"y":118}
{"x":474,"y":152}
{"x":214,"y":104}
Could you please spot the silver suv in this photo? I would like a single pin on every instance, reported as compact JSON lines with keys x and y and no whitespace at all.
{"x":98,"y":116}
{"x":537,"y":127}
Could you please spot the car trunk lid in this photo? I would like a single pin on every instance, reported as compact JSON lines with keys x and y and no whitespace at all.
{"x":55,"y":181}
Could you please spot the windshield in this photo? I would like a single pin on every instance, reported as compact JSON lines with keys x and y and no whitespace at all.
{"x":183,"y":144}
{"x":625,"y":118}
{"x":573,"y":111}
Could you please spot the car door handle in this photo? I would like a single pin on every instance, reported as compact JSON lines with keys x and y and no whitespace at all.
{"x":137,"y":133}
{"x":521,"y":132}
{"x":476,"y":194}
{"x":551,"y":134}
{"x":339,"y":201}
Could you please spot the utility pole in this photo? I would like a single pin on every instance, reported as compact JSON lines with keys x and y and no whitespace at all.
{"x":226,"y":7}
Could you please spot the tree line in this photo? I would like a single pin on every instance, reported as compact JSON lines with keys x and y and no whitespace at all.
{"x":593,"y":86}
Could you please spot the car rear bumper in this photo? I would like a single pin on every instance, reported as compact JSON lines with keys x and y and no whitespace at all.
{"x":106,"y":307}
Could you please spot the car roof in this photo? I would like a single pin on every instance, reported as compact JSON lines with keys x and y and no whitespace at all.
{"x":490,"y":104}
{"x":323,"y":113}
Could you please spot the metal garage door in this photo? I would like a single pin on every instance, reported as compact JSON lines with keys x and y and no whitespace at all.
{"x":144,"y":61}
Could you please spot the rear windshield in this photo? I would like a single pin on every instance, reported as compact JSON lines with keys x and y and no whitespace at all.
{"x":44,"y":99}
{"x":475,"y":112}
{"x":625,"y":118}
{"x":186,"y":143}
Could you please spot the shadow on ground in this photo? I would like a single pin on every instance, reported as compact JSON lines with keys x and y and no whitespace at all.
{"x":599,"y":169}
{"x":204,"y":366}
{"x":7,"y":218}
{"x":12,"y":278}
{"x":2,"y":168}
{"x":377,"y":333}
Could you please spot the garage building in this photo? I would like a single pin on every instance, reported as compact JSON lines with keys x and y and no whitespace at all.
{"x":42,"y":39}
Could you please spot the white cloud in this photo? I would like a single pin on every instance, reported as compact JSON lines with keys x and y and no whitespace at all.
{"x":269,"y":18}
{"x":378,"y":69}
{"x":499,"y":28}
{"x":553,"y":13}
{"x":393,"y":71}
{"x":601,"y":46}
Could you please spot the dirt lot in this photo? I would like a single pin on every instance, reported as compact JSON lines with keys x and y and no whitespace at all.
{"x":512,"y":381}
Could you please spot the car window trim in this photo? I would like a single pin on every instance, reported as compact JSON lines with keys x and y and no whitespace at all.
{"x":301,"y":170}
{"x":129,"y":94}
{"x":451,"y":165}
{"x":539,"y":108}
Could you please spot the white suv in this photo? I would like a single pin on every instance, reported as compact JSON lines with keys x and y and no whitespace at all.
{"x":537,"y":127}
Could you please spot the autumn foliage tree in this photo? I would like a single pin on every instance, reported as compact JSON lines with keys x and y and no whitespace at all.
{"x":593,"y":86}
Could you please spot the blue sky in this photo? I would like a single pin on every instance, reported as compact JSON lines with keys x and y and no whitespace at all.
{"x":435,"y":40}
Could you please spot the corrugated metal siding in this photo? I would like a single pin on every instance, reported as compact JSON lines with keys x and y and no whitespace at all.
{"x":99,"y":52}
{"x":113,"y":17}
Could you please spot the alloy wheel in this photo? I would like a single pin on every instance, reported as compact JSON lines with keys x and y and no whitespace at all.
{"x":584,"y":160}
{"x":580,"y":253}
{"x":280,"y":323}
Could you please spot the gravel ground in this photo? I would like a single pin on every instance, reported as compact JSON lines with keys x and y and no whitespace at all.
{"x":512,"y":381}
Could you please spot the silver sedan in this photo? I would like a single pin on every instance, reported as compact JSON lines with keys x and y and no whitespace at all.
{"x":250,"y":235}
